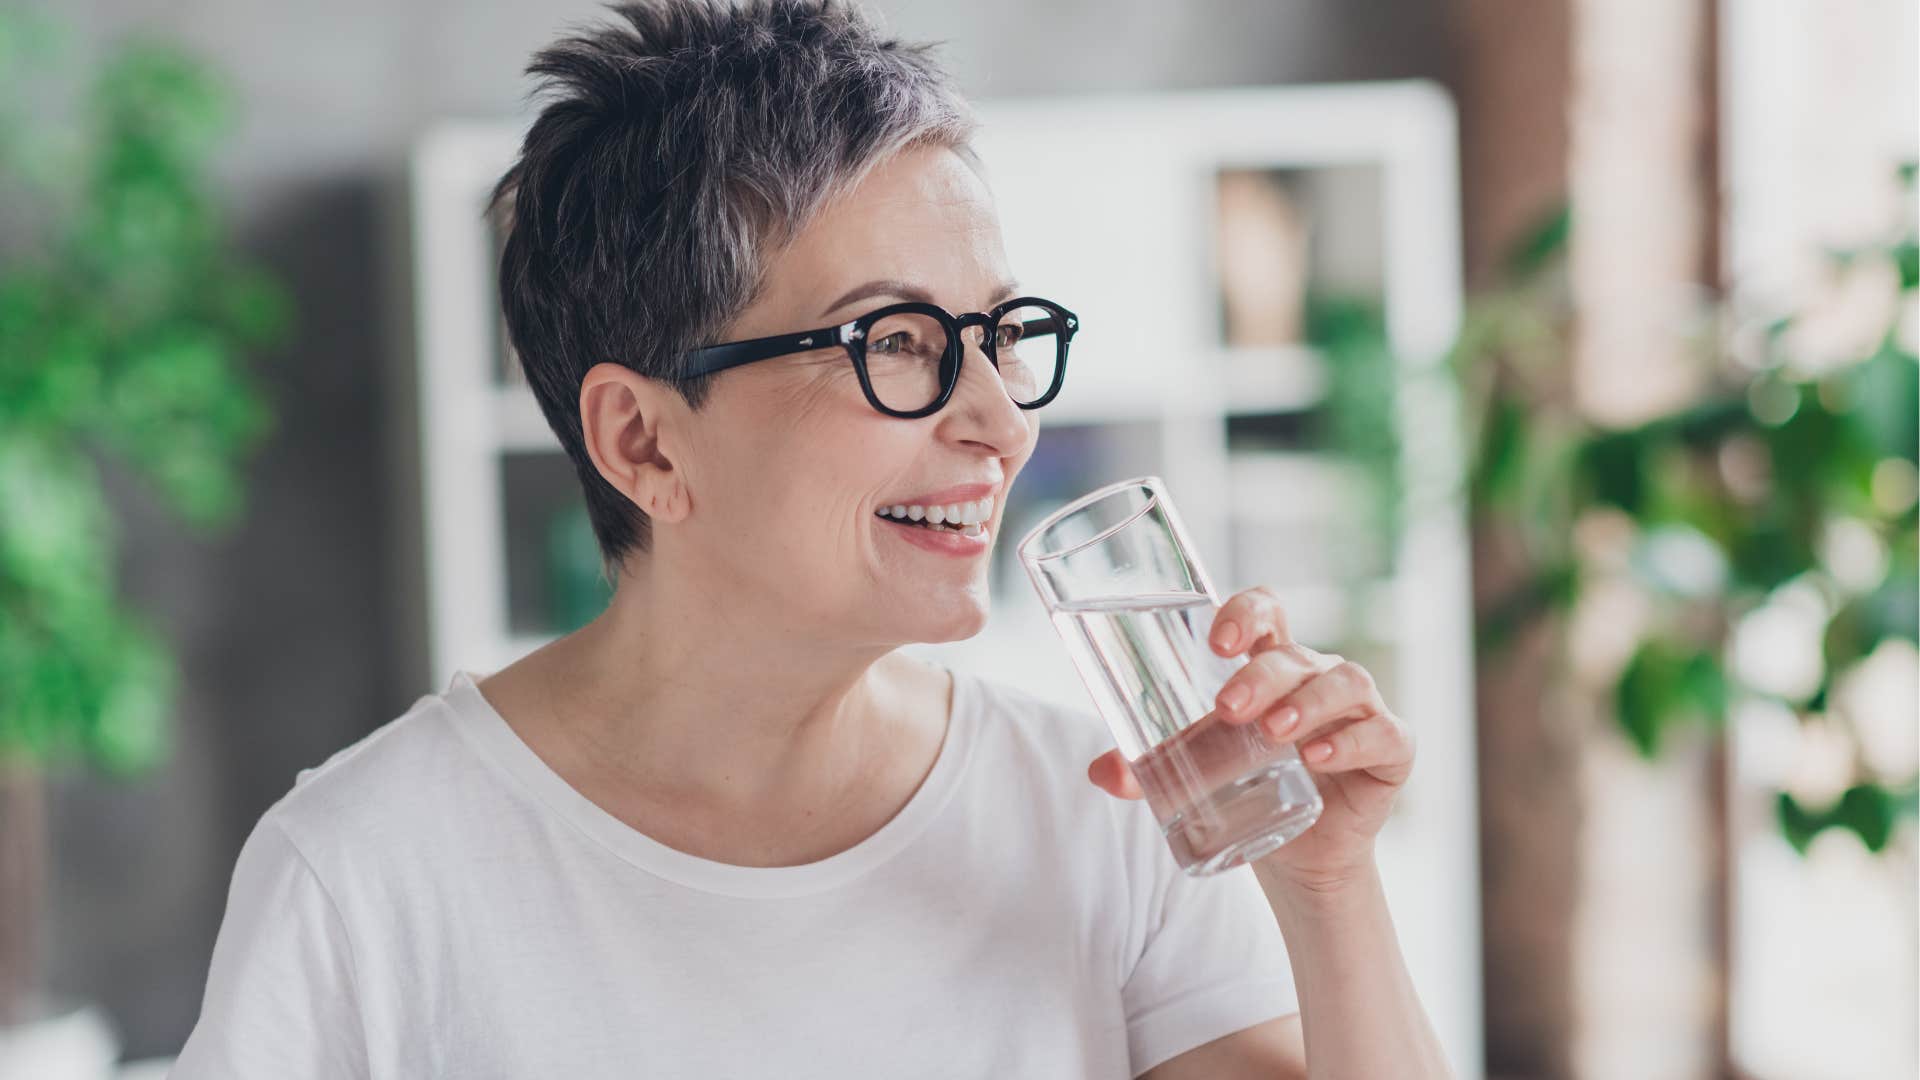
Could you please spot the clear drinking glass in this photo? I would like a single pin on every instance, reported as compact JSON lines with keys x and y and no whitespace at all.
{"x":1125,"y":589}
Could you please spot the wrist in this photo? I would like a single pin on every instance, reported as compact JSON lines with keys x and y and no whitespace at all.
{"x":1322,"y":889}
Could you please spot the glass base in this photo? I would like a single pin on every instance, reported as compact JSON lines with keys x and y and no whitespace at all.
{"x":1245,"y":819}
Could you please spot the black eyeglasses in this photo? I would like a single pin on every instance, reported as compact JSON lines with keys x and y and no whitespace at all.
{"x":908,"y":355}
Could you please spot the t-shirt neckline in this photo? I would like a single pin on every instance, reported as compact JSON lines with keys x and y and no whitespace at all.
{"x":482,"y":726}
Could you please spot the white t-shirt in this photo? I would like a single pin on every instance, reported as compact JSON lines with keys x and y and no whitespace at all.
{"x":435,"y":901}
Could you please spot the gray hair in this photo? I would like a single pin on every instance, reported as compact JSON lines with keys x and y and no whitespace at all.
{"x":677,"y":154}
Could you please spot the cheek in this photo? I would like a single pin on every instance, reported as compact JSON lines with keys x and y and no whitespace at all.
{"x":827,"y":467}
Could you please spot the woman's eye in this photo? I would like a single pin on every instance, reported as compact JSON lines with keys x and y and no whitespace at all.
{"x":899,"y":341}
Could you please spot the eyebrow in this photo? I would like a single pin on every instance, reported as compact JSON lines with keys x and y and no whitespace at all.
{"x":906,"y":290}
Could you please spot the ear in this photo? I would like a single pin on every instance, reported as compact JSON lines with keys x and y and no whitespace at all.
{"x":628,"y":422}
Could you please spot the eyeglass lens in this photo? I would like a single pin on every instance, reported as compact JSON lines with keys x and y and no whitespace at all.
{"x":904,"y":353}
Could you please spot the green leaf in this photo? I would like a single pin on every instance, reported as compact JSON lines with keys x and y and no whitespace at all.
{"x":1704,"y":425}
{"x":1644,"y":696}
{"x":1703,"y":684}
{"x":1554,"y":588}
{"x":1851,"y":634}
{"x":129,"y":732}
{"x":1818,"y":702}
{"x":154,"y":94}
{"x":1797,"y":824}
{"x":1882,"y":391}
{"x":1613,"y":465}
{"x":1502,"y":457}
{"x":1545,"y":242}
{"x":1906,"y":256}
{"x":56,"y":531}
{"x":1358,"y":416}
{"x":1666,"y":683}
{"x":1773,"y":548}
{"x":255,"y":305}
{"x":1867,"y":809}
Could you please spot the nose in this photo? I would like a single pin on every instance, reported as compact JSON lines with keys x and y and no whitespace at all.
{"x":981,"y":400}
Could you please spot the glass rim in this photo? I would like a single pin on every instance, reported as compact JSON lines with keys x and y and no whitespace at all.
{"x":1152,"y":484}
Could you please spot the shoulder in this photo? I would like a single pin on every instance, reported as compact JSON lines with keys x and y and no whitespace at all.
{"x":1036,"y":724}
{"x":399,"y":775}
{"x":1037,"y":749}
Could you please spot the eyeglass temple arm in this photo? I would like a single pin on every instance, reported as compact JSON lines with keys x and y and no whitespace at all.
{"x":711,"y":358}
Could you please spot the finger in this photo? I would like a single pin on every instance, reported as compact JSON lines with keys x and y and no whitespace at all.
{"x":1109,"y":773}
{"x":1268,"y":677}
{"x":1342,"y":691}
{"x":1381,"y":745}
{"x":1248,"y":617}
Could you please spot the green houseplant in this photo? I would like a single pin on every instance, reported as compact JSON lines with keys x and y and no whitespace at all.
{"x":124,"y":328}
{"x":1779,"y":495}
{"x":1721,"y":507}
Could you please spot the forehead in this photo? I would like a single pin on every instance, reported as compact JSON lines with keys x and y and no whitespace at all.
{"x":922,"y":215}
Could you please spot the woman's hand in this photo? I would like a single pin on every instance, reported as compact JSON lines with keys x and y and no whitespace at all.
{"x":1358,"y":751}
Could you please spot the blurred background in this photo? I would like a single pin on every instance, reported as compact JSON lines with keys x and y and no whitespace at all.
{"x":1555,"y":358}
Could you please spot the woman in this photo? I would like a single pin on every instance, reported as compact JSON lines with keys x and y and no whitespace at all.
{"x":726,"y":829}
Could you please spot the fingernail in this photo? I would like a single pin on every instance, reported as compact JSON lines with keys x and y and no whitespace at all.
{"x":1234,"y":697}
{"x":1284,"y":720}
{"x":1319,"y":751}
{"x":1227,"y":636}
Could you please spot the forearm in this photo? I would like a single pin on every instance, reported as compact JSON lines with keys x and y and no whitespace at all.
{"x":1359,"y":1013}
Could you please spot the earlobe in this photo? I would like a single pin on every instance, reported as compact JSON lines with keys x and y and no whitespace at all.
{"x":667,"y":505}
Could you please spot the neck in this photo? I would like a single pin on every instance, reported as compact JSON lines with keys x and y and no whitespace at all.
{"x":726,"y":709}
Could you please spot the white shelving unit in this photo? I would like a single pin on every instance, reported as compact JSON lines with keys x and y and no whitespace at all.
{"x":1106,"y":202}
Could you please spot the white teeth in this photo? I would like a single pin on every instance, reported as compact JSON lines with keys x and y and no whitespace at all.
{"x":972,"y":513}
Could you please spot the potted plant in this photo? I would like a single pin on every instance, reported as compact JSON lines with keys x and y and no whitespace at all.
{"x":124,"y":328}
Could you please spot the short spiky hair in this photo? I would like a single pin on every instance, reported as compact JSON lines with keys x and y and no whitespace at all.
{"x":678,"y":153}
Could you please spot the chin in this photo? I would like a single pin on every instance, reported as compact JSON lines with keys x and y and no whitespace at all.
{"x":957,"y":624}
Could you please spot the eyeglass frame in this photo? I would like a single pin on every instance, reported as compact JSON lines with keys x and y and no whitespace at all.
{"x":708,"y":359}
